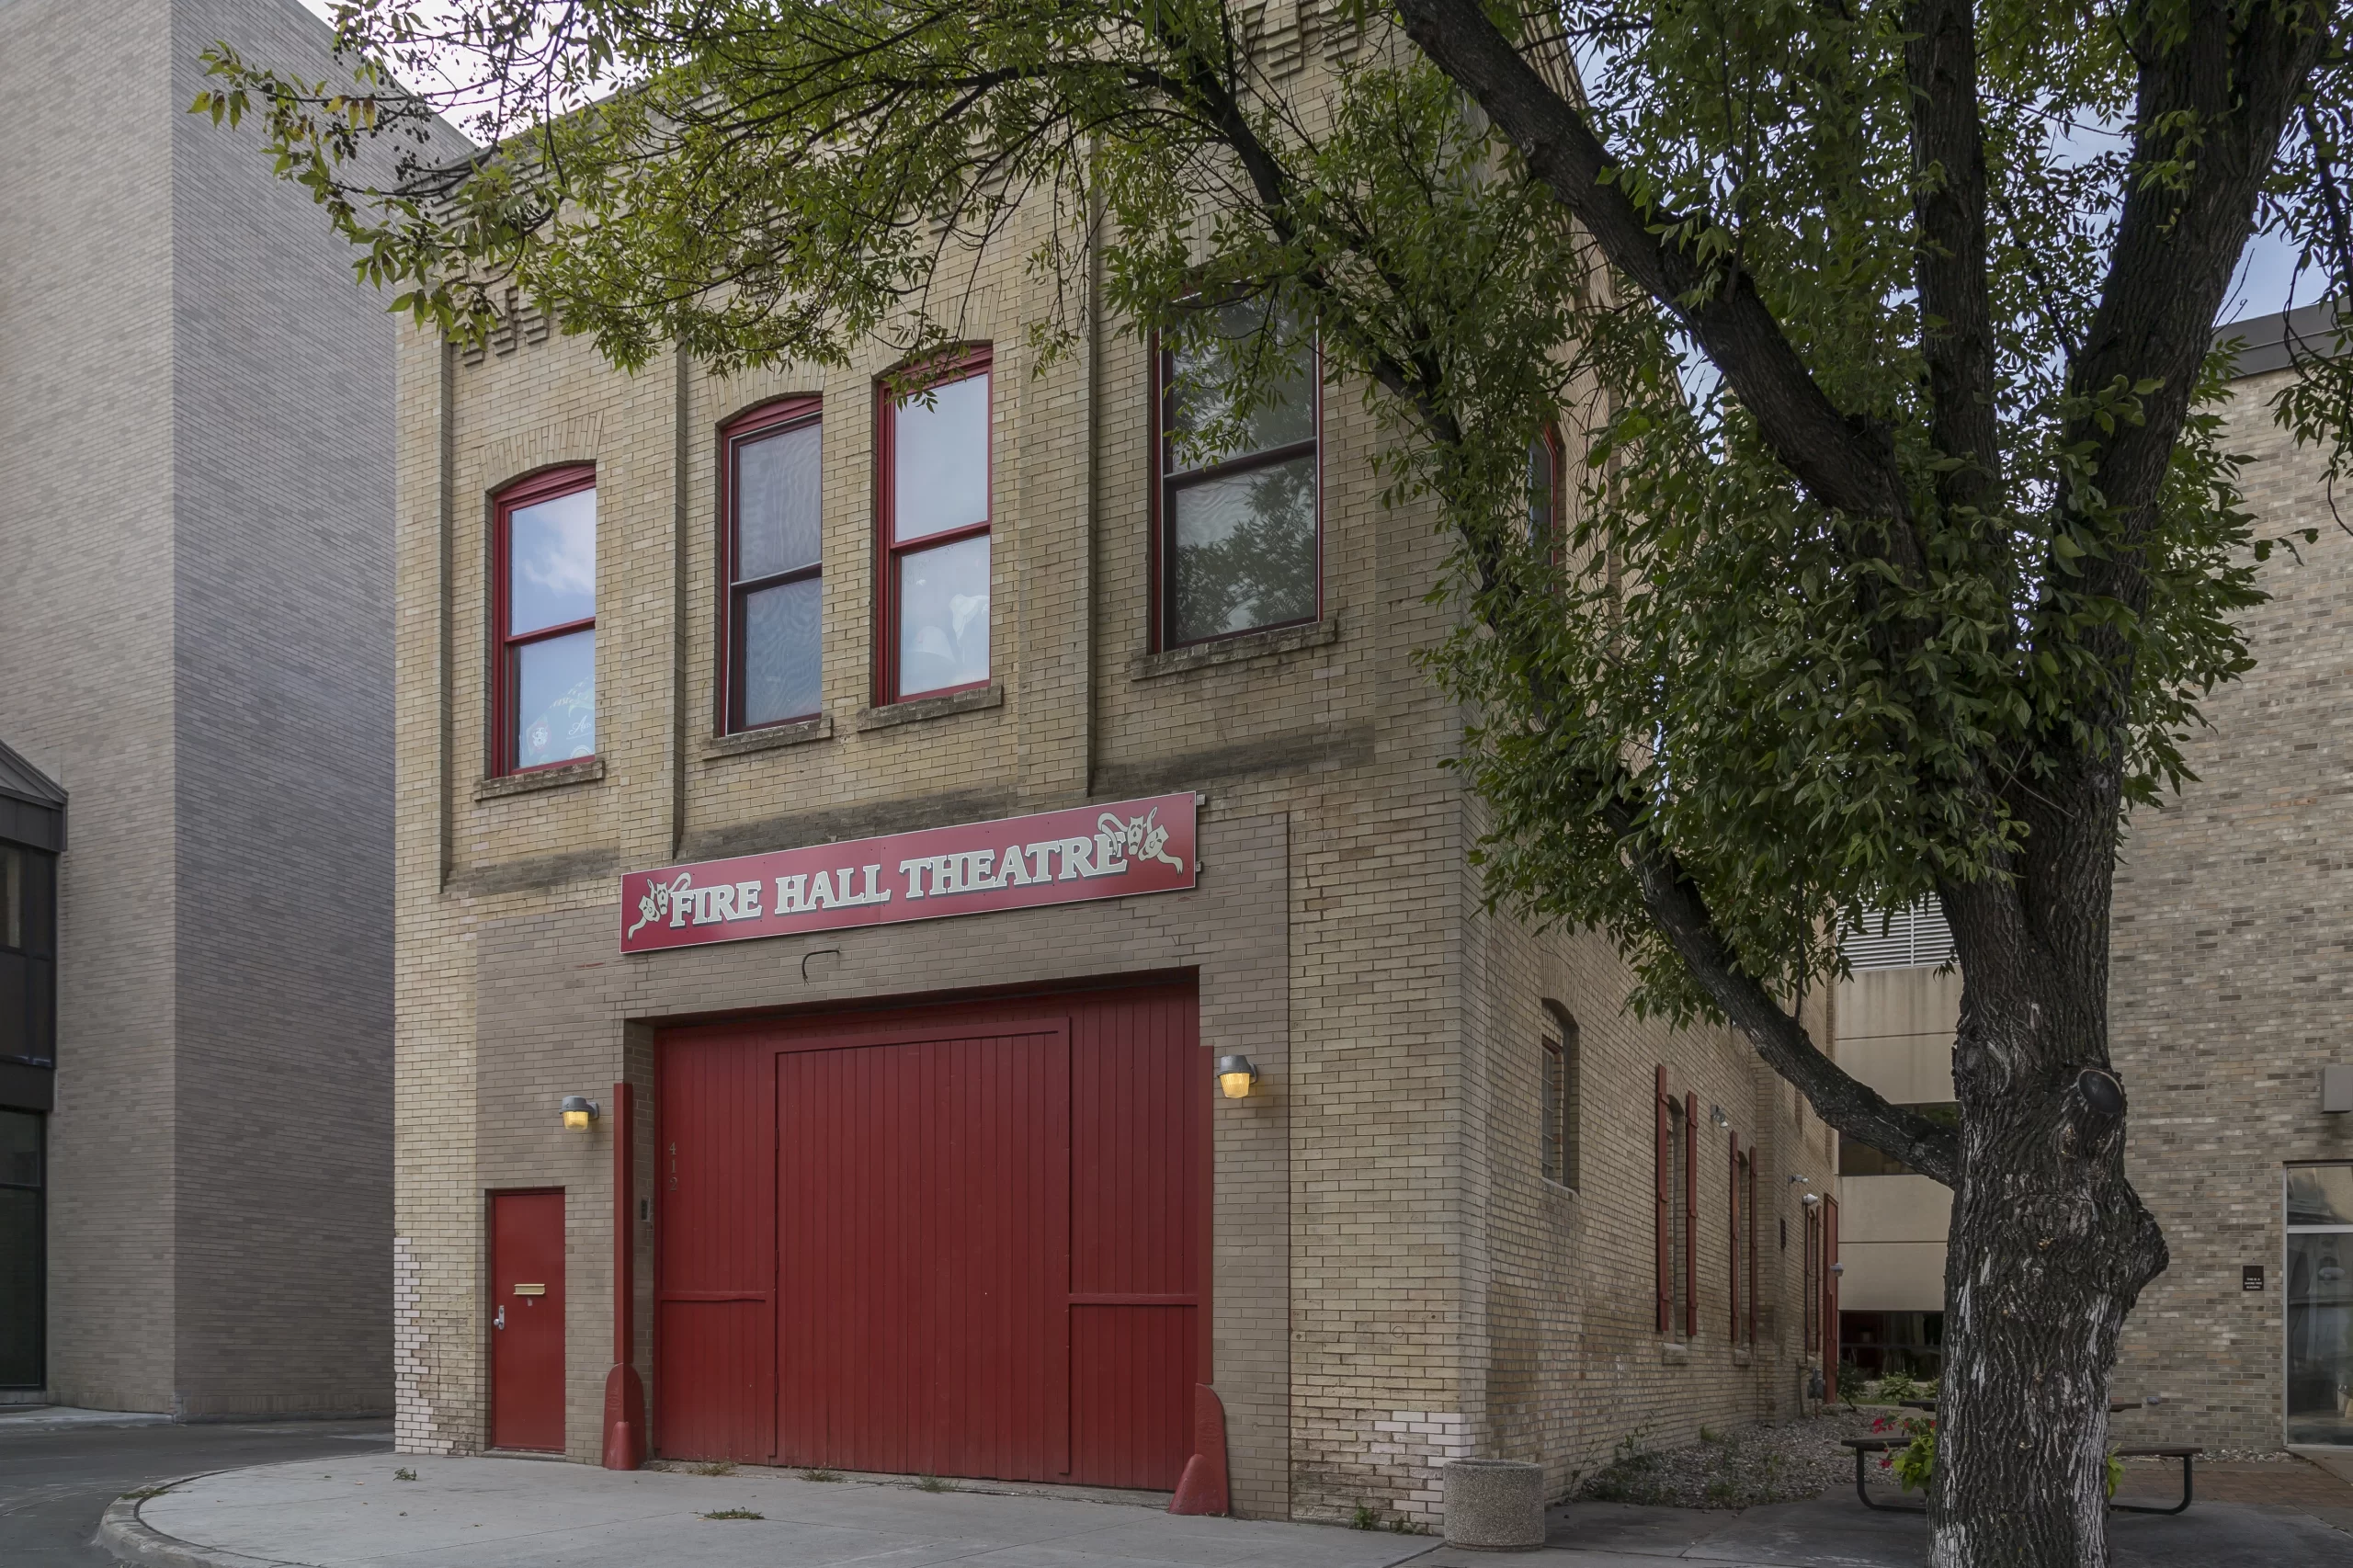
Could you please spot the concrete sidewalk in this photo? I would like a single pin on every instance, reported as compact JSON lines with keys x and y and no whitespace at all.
{"x":504,"y":1513}
{"x":499,"y":1513}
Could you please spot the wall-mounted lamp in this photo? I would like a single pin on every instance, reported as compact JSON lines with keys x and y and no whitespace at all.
{"x":1799,"y":1180}
{"x":1234,"y":1076}
{"x":1811,"y":1199}
{"x":579,"y":1111}
{"x":1716,"y":1114}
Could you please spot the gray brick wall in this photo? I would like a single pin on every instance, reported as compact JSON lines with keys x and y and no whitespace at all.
{"x":194,"y":638}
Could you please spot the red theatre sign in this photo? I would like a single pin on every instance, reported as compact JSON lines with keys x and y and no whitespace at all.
{"x":1130,"y":847}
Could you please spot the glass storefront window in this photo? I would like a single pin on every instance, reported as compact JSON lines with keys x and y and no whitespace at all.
{"x":21,"y":1273}
{"x":2320,"y":1303}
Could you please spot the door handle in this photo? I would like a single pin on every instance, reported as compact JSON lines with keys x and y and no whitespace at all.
{"x":500,"y":1321}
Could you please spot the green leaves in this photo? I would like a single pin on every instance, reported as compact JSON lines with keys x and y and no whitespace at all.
{"x":1807,"y":713}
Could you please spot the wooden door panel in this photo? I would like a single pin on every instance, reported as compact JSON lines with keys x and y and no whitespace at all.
{"x":922,"y":1201}
{"x":527,"y":1316}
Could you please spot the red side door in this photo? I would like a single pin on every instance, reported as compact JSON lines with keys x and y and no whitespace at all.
{"x":527,"y":1321}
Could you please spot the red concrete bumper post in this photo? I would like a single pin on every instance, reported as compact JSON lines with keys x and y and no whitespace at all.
{"x":624,"y":1393}
{"x":1203,"y":1488}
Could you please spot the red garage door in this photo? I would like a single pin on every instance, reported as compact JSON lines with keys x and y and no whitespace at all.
{"x":950,"y":1241}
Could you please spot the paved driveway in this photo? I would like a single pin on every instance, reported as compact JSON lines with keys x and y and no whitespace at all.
{"x":59,"y":1469}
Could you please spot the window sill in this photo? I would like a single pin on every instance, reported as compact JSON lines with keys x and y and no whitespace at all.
{"x":1237,"y":650}
{"x":800,"y":732}
{"x":922,"y":708}
{"x":1674,"y":1353}
{"x":585,"y":770}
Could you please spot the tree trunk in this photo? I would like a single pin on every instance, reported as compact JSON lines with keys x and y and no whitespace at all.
{"x":2048,"y":1250}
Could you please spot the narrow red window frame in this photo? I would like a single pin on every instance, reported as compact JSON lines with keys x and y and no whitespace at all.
{"x":1554,"y":1156}
{"x":1748,"y":1167}
{"x":1165,"y":484}
{"x":1556,"y":503}
{"x":506,"y":666}
{"x":1665,"y":1279}
{"x":1690,"y":1215}
{"x":888,"y":551}
{"x":751,"y":425}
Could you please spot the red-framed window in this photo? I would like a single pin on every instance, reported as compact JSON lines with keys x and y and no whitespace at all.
{"x":1743,"y":1243}
{"x":933,"y":459}
{"x":771,"y":471}
{"x":1547,"y":493}
{"x":1556,"y":1112}
{"x":1239,"y":531}
{"x":544,"y":613}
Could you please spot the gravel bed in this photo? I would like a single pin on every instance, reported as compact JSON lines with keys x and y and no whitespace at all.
{"x":1743,"y":1467}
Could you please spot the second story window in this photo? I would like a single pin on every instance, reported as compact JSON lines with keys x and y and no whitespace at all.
{"x":545,"y":610}
{"x":934,"y":632}
{"x":774,"y":584}
{"x":1240,"y":542}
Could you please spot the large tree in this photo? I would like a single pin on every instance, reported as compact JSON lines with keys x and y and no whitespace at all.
{"x":1905,"y":543}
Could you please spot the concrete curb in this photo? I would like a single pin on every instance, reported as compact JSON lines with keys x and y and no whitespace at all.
{"x":132,"y":1540}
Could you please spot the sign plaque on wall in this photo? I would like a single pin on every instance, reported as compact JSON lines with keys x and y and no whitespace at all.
{"x":1087,"y":852}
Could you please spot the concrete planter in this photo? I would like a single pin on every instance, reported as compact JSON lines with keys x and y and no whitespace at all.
{"x":1495,"y":1505}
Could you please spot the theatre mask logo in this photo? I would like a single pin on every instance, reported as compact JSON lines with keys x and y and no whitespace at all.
{"x":1088,"y":852}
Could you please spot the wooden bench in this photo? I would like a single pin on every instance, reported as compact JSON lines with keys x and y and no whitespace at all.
{"x":1865,"y":1447}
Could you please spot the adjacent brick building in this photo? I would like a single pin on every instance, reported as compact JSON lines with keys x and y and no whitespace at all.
{"x":195,"y":468}
{"x":649,"y":622}
{"x":2227,"y":1003}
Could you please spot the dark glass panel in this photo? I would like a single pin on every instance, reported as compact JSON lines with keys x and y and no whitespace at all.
{"x":39,"y":901}
{"x":940,"y":459}
{"x":1243,"y":551}
{"x":556,"y":699}
{"x":776,"y":502}
{"x":2320,"y":1195}
{"x":551,"y":562}
{"x":780,"y":651}
{"x":11,"y":896}
{"x":16,"y":1018}
{"x":20,"y":1288}
{"x":40,"y":1010}
{"x":2320,"y":1335}
{"x":1201,"y":414}
{"x":20,"y":1148}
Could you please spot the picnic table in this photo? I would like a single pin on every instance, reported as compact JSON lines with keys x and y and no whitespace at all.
{"x":1864,"y":1447}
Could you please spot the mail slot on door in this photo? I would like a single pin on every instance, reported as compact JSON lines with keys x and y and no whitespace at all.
{"x":530,"y":1289}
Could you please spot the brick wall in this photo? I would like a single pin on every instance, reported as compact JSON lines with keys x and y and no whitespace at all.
{"x":2233,"y":912}
{"x":195,"y":637}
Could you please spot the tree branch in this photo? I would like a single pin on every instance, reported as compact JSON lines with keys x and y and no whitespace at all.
{"x":1949,"y":203}
{"x":1843,"y":465}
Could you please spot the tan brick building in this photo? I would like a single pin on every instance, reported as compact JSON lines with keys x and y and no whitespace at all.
{"x":1430,"y":1229}
{"x":2227,"y":1006}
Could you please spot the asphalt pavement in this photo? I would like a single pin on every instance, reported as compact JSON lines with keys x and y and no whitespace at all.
{"x":59,"y":1469}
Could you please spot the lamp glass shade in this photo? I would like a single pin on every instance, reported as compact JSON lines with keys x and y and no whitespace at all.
{"x":579,"y":1111}
{"x":575,"y":1119}
{"x":1234,"y":1076}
